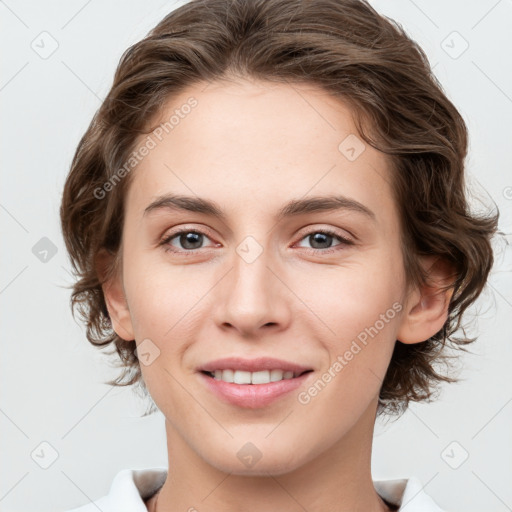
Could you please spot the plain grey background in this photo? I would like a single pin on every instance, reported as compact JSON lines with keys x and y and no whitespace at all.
{"x":57,"y":65}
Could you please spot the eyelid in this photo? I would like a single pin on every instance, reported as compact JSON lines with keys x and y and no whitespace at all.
{"x":315,"y":228}
{"x":168,"y":235}
{"x":303,"y":233}
{"x":345,"y":241}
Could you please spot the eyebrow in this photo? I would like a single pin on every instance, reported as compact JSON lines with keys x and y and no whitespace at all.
{"x":292,"y":208}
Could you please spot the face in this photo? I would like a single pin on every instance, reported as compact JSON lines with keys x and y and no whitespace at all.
{"x":320,"y":288}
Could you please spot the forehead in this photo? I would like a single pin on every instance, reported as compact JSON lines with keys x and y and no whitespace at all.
{"x":250,"y":145}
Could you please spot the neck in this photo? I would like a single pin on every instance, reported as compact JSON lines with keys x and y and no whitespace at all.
{"x":338,"y":479}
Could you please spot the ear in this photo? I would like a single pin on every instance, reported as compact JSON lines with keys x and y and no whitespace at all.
{"x":426,"y":309}
{"x":115,"y":298}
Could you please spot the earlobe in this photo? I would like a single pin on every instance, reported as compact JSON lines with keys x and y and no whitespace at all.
{"x":426,"y":309}
{"x":114,"y":296}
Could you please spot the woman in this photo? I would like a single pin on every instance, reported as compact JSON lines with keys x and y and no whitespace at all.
{"x":268,"y":220}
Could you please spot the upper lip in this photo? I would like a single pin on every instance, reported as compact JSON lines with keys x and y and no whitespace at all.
{"x":252,"y":365}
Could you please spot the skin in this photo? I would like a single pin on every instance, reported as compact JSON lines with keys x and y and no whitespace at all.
{"x":252,"y":146}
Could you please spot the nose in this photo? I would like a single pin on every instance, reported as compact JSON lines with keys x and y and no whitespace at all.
{"x":253,"y":297}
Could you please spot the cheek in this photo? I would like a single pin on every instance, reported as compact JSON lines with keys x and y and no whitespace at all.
{"x":361,"y":310}
{"x":167,"y":304}
{"x":155,"y":298}
{"x":350,"y":298}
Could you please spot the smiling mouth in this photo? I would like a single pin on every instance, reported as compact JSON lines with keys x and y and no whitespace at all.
{"x":253,"y":378}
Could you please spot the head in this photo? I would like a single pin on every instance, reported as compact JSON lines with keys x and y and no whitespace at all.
{"x":257,"y":106}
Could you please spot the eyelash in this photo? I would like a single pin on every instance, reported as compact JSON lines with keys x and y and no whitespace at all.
{"x":166,"y":240}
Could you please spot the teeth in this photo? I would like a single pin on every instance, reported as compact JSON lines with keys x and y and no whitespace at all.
{"x":261,"y":377}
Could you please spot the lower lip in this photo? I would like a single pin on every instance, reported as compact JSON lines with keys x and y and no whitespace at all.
{"x":252,"y":396}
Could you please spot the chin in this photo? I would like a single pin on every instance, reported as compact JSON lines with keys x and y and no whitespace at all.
{"x":251,"y":461}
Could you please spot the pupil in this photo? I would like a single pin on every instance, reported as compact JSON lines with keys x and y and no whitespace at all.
{"x":320,"y":238}
{"x":190,"y":238}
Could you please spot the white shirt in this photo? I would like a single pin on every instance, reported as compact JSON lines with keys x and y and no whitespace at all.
{"x":131,"y":486}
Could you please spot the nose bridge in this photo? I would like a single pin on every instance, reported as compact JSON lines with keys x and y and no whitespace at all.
{"x":251,"y":279}
{"x":251,"y":292}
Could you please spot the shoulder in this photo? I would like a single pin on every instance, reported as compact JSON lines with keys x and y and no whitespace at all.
{"x":407,"y":493}
{"x":128,"y":490}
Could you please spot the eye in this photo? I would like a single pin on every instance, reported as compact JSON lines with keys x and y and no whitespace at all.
{"x":323,"y":237}
{"x":189,"y":239}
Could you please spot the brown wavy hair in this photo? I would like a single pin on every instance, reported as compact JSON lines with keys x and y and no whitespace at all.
{"x":355,"y":54}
